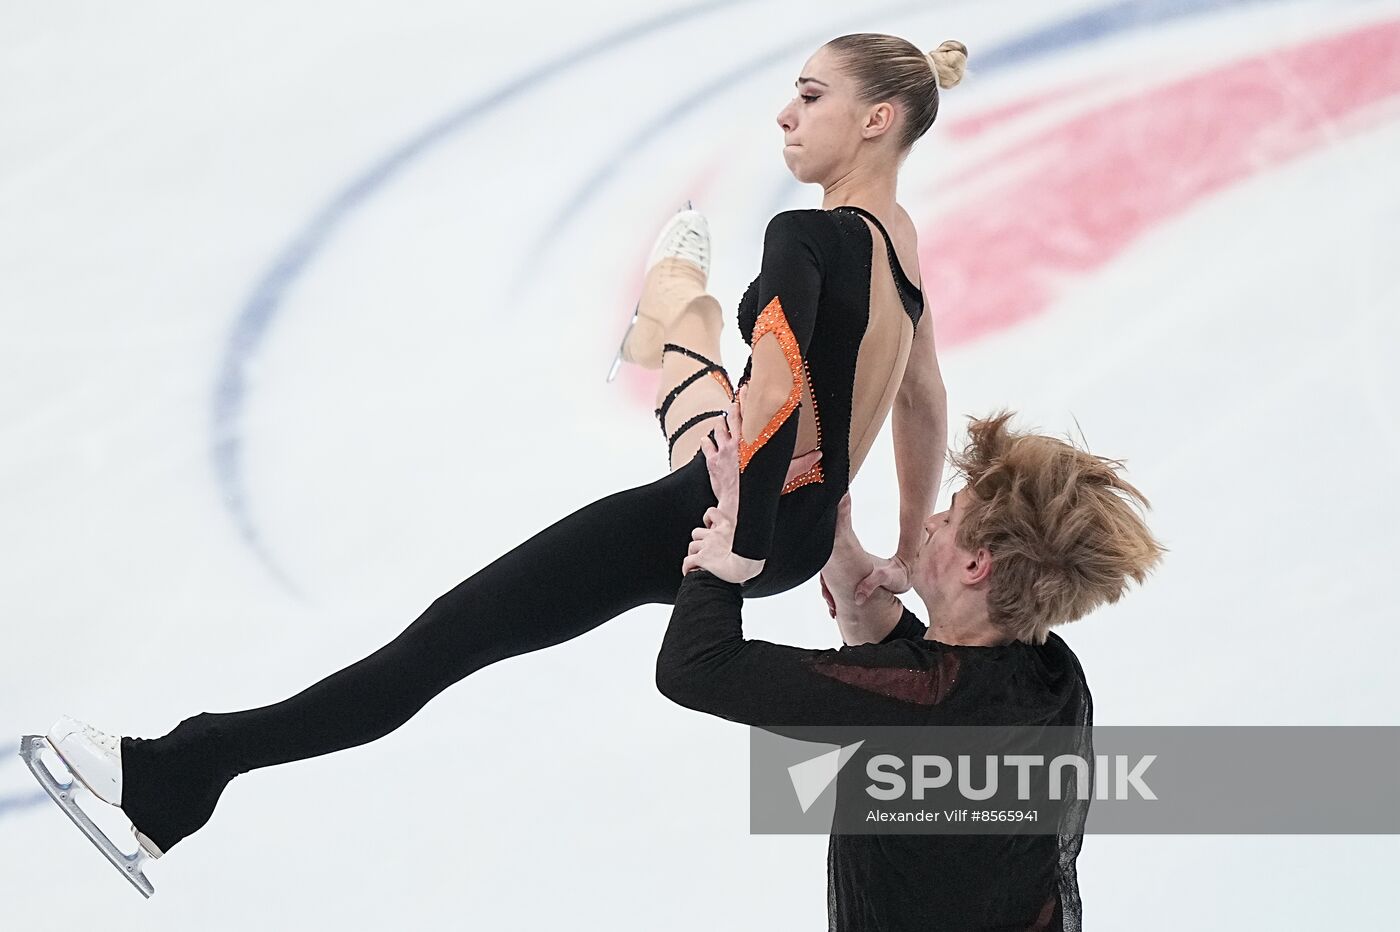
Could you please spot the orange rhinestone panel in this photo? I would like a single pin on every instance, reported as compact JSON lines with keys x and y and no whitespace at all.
{"x":773,"y":320}
{"x":815,"y":473}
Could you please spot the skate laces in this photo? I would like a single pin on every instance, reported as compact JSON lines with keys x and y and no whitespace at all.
{"x":689,"y":242}
{"x":101,"y":739}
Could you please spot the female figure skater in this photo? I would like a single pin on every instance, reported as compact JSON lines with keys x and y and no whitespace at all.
{"x":832,"y":323}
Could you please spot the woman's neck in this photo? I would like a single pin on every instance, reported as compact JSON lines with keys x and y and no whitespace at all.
{"x":876,"y":195}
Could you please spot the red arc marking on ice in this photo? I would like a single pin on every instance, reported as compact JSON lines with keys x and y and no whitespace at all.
{"x":978,"y":123}
{"x":1084,"y":189}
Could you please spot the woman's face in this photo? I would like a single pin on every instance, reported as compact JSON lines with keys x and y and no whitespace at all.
{"x":822,"y":123}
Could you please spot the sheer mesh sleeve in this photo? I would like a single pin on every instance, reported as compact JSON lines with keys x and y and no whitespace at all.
{"x":789,"y":285}
{"x":1079,"y":715}
{"x":899,"y":881}
{"x":706,"y":664}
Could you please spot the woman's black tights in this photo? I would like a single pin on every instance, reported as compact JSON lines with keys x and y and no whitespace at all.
{"x":608,"y":557}
{"x":611,"y":556}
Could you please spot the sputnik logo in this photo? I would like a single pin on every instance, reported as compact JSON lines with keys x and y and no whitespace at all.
{"x":810,"y":778}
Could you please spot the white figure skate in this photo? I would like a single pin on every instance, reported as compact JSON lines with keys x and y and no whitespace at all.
{"x":93,"y":760}
{"x":685,"y":236}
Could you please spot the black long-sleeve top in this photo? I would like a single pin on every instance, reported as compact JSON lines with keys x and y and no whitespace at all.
{"x":797,"y":257}
{"x":812,"y":296}
{"x":895,"y":882}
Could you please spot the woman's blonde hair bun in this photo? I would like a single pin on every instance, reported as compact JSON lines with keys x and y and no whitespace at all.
{"x":949,"y":62}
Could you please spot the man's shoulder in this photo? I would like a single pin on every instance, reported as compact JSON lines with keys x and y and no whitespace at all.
{"x":1061,"y":673}
{"x":1057,"y":647}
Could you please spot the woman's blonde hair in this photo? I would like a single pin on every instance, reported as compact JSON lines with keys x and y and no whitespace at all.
{"x":1059,"y":522}
{"x":887,"y":67}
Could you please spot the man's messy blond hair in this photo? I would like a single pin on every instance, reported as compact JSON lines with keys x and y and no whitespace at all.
{"x":1061,"y":525}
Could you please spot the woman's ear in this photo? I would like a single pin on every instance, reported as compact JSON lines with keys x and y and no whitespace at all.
{"x":878,"y":120}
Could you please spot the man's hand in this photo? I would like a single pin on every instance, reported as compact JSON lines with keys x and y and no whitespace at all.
{"x":856,"y":572}
{"x":711,"y":546}
{"x":826,"y":595}
{"x":724,"y":473}
{"x":849,"y":563}
{"x":722,"y":458}
{"x":866,"y":621}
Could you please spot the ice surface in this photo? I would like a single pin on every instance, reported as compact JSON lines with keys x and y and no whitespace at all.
{"x":307,"y":308}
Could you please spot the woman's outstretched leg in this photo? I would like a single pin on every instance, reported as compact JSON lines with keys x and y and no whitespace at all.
{"x":617,"y":553}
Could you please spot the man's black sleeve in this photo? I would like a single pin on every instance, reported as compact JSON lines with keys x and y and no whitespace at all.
{"x":908,"y":628}
{"x":706,"y":664}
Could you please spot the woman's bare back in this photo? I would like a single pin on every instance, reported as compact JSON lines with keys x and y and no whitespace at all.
{"x":884,"y":350}
{"x":830,"y":322}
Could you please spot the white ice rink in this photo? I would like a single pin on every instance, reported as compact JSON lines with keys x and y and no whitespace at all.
{"x":306,"y":315}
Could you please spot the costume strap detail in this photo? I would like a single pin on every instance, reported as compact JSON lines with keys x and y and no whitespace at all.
{"x":910,"y":295}
{"x":708,"y":367}
{"x":689,"y":423}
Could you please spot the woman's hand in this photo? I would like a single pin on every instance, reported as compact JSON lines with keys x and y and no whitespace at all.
{"x":890,"y":573}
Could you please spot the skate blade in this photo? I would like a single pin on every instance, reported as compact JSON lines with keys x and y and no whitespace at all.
{"x":30,"y":747}
{"x":617,"y":360}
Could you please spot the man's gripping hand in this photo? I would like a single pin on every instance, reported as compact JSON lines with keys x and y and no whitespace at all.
{"x":861,"y":621}
{"x":712,"y":546}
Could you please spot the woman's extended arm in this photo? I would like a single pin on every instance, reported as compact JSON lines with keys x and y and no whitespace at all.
{"x":920,"y":429}
{"x":920,"y":439}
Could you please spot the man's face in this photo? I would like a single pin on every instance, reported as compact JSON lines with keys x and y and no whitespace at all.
{"x":941,"y":564}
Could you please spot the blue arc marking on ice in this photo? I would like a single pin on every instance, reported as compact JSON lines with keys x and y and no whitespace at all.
{"x":17,"y":803}
{"x":1092,"y":25}
{"x":255,"y":317}
{"x":610,"y":165}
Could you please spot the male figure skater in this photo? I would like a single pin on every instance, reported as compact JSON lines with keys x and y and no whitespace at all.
{"x":1041,"y":533}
